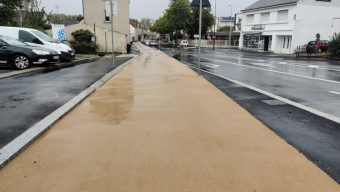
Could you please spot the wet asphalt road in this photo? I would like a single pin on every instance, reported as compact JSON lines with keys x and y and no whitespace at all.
{"x":315,"y":84}
{"x":27,"y":99}
{"x":316,"y":137}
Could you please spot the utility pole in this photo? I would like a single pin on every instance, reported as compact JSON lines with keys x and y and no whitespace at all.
{"x":214,"y":38}
{"x":113,"y":40}
{"x":57,"y":7}
{"x":200,"y":39}
{"x":231,"y":16}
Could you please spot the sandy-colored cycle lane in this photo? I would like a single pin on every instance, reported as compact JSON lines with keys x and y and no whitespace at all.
{"x":157,"y":126}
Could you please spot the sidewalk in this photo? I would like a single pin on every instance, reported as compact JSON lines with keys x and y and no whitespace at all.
{"x":157,"y":126}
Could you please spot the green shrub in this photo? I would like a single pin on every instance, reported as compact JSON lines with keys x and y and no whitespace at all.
{"x":82,"y":42}
{"x":335,"y":44}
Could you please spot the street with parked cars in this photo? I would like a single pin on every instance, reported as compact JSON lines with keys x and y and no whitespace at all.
{"x":23,"y":47}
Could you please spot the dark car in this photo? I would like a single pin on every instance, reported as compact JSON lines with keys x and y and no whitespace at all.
{"x":318,"y":46}
{"x":20,"y":55}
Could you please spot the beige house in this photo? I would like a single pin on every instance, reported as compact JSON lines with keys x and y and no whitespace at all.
{"x":97,"y":12}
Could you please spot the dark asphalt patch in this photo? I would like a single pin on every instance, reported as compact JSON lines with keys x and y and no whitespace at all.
{"x":28,"y":98}
{"x":315,"y":137}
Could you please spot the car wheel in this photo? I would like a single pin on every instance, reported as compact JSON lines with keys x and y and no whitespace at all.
{"x":21,"y":62}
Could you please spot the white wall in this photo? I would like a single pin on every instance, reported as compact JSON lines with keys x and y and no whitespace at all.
{"x":316,"y":17}
{"x":273,"y":24}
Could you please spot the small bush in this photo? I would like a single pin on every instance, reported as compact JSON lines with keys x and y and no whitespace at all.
{"x":335,"y":45}
{"x":83,"y":42}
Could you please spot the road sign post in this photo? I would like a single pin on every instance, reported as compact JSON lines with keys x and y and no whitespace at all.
{"x":113,"y":9}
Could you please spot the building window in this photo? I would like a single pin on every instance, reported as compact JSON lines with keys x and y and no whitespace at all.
{"x":265,"y":17}
{"x":251,"y":42}
{"x":282,"y":16}
{"x":250,"y":19}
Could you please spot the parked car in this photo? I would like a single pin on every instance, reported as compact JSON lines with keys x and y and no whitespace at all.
{"x":184,"y":43}
{"x":318,"y":46}
{"x":147,"y":42}
{"x":37,"y":38}
{"x":153,"y":43}
{"x":22,"y":55}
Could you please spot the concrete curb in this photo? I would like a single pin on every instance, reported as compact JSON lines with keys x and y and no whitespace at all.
{"x":19,"y":144}
{"x":49,"y":68}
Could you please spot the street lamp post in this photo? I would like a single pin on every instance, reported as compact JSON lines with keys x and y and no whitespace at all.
{"x":214,"y":38}
{"x":200,"y":5}
{"x":231,"y":16}
{"x":200,"y":39}
{"x":112,"y":35}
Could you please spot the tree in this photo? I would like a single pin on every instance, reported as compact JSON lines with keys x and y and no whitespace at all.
{"x":176,"y":18}
{"x":8,"y":12}
{"x":224,"y":29}
{"x":161,"y":26}
{"x":179,"y":15}
{"x":208,"y":21}
{"x":146,"y":23}
{"x":61,"y":18}
{"x":334,"y":44}
{"x":34,"y":16}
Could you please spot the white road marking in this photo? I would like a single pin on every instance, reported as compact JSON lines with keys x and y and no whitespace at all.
{"x":281,"y":63}
{"x":334,"y":92}
{"x":314,"y":66}
{"x":270,"y":70}
{"x":295,"y":104}
{"x":261,"y":64}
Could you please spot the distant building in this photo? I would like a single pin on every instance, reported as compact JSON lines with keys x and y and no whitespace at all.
{"x":136,"y":31}
{"x":280,"y":26}
{"x":224,"y":21}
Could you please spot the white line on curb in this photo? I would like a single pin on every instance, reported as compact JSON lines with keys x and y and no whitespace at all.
{"x":9,"y":151}
{"x":298,"y":105}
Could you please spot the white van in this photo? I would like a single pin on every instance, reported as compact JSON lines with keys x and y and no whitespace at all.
{"x":37,"y":38}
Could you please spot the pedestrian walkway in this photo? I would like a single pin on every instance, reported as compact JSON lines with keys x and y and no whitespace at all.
{"x":157,"y":126}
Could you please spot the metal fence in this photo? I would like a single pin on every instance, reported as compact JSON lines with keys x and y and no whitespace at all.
{"x":305,"y":51}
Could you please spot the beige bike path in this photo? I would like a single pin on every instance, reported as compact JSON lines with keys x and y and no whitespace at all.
{"x":157,"y":126}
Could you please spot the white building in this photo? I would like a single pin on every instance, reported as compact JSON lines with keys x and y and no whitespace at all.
{"x":224,"y":21}
{"x":280,"y":26}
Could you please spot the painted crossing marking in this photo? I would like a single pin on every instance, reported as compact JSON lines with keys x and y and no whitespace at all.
{"x":270,"y":70}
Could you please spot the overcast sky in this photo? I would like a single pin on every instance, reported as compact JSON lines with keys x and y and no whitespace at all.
{"x":143,"y":8}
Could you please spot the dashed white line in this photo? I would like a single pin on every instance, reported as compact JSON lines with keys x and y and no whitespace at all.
{"x":334,"y":92}
{"x":314,"y":66}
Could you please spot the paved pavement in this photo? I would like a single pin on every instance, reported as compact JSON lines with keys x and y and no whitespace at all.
{"x":315,"y":84}
{"x":157,"y":126}
{"x":27,"y":99}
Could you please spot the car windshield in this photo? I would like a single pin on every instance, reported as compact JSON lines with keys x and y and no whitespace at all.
{"x":43,"y":36}
{"x":13,"y":42}
{"x":312,"y":43}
